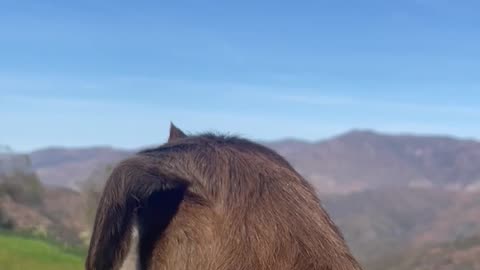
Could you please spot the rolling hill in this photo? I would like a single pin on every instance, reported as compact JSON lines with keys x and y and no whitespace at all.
{"x":387,"y":221}
{"x":462,"y":254}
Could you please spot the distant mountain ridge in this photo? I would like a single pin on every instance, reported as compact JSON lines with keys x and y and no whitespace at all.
{"x":359,"y":160}
{"x":67,"y":167}
{"x":353,"y":161}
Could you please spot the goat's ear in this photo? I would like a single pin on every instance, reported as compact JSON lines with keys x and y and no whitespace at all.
{"x":175,"y":133}
{"x":137,"y":196}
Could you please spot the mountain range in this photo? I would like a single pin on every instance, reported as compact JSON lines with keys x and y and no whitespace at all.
{"x":354,"y":161}
{"x":391,"y":195}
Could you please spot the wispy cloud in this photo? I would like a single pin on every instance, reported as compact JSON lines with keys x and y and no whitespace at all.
{"x":319,"y":100}
{"x":107,"y":91}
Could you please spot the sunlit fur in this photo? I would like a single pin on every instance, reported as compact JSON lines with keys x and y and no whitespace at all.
{"x":210,"y":202}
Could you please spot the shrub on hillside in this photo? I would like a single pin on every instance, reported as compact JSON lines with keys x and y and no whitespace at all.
{"x":22,"y":187}
{"x":92,"y":190}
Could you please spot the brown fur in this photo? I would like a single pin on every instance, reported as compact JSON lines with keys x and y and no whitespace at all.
{"x":211,"y":202}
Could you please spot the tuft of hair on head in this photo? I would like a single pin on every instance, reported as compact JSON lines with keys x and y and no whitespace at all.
{"x":175,"y":133}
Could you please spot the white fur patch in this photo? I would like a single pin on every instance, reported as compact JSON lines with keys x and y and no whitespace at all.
{"x":132,"y":261}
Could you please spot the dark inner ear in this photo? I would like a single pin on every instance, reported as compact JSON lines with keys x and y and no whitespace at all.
{"x":154,"y":217}
{"x":175,"y":133}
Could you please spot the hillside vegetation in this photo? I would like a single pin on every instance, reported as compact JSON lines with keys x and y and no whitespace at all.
{"x":461,"y":254}
{"x":26,"y":205}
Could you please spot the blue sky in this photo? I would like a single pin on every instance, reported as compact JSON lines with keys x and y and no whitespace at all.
{"x":78,"y":73}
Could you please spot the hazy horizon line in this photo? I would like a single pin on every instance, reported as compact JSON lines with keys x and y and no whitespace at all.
{"x":258,"y":140}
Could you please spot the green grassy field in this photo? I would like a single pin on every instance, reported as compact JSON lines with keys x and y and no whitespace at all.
{"x":20,"y":253}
